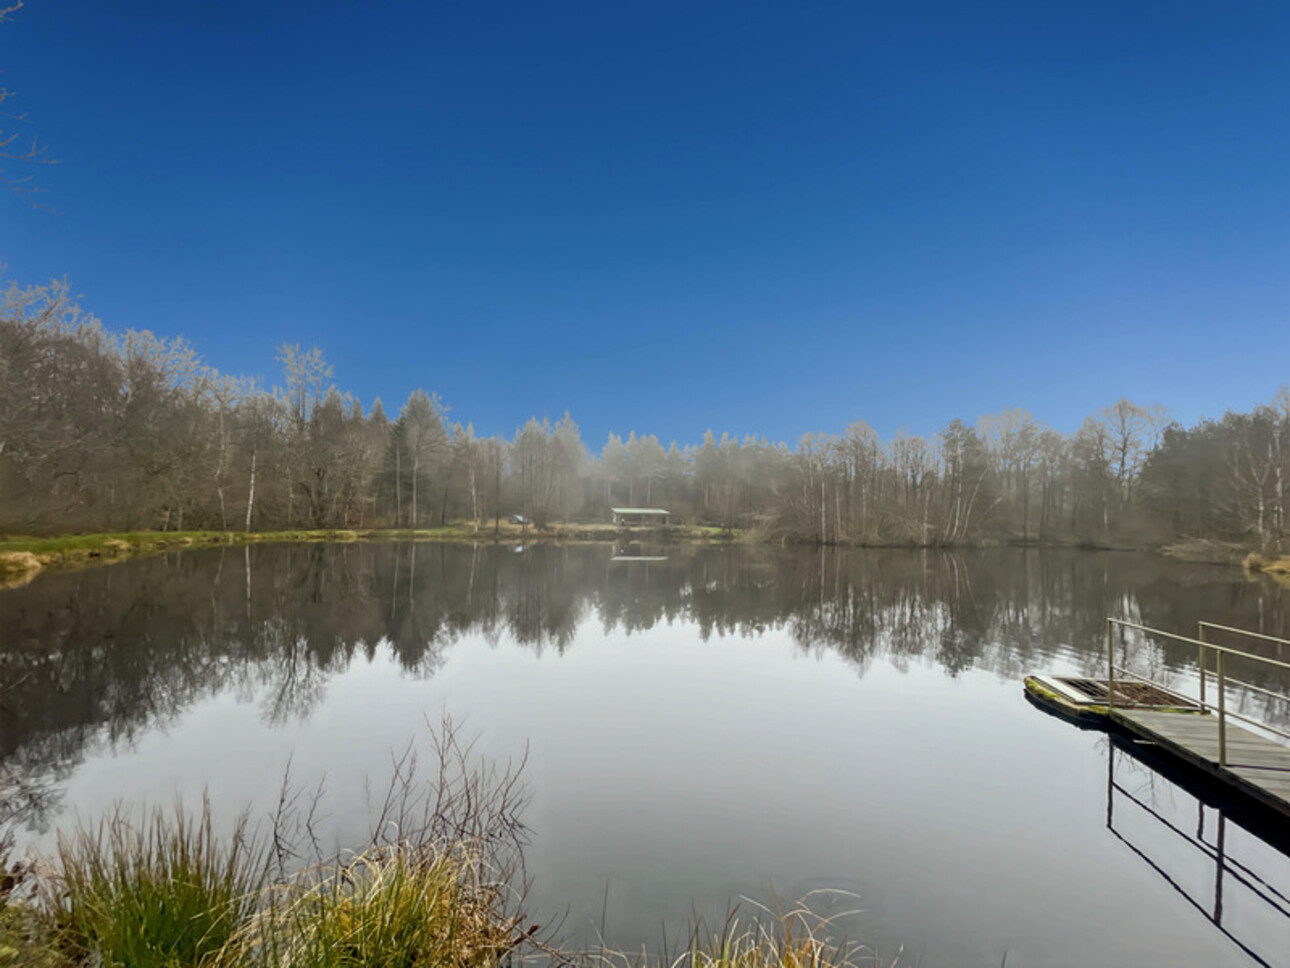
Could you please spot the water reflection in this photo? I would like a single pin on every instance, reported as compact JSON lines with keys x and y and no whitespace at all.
{"x":1228,"y":859}
{"x":704,"y":723}
{"x":106,"y":654}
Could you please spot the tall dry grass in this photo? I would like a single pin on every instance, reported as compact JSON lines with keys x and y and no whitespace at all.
{"x":395,"y":907}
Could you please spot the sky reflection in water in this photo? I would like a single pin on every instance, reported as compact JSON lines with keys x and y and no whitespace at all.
{"x":723,"y":723}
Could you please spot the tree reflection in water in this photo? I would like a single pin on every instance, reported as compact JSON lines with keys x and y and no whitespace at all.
{"x":100,"y":656}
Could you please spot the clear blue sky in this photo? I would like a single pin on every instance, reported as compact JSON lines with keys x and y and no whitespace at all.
{"x":754,"y":217}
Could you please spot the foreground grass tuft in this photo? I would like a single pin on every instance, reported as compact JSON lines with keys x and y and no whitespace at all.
{"x":796,"y":938}
{"x":162,"y":890}
{"x":167,"y":893}
{"x":399,"y":907}
{"x":24,"y":933}
{"x":160,"y":894}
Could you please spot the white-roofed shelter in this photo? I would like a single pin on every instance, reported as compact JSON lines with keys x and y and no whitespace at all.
{"x":636,"y":517}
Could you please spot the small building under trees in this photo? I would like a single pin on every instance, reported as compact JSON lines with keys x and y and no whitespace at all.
{"x":638,"y":517}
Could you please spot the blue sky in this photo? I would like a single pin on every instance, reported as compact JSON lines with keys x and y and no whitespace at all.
{"x":754,"y":217}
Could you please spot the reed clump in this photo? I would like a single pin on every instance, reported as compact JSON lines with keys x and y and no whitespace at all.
{"x":795,"y":938}
{"x":798,"y":937}
{"x":169,"y":893}
{"x":405,"y":906}
{"x":164,"y":892}
{"x":436,"y":885}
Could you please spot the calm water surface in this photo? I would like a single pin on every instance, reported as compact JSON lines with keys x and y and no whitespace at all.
{"x":701,"y":725}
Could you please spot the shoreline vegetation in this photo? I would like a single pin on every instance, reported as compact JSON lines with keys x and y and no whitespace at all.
{"x":439,"y":884}
{"x":106,"y":430}
{"x":1278,"y":567}
{"x":22,"y":558}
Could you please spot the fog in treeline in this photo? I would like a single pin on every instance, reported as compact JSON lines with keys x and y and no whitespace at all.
{"x":100,"y":656}
{"x":101,"y":430}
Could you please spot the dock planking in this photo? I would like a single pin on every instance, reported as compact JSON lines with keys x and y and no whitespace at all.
{"x":1257,"y":766}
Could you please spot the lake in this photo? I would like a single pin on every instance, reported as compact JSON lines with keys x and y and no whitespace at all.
{"x":701,"y":724}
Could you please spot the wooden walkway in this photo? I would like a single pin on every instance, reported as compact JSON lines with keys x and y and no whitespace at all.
{"x":1256,"y":766}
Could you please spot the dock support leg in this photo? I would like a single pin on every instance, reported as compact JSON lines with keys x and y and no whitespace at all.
{"x":1220,"y":861}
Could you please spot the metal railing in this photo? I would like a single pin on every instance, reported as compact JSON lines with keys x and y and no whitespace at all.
{"x":1222,"y":680}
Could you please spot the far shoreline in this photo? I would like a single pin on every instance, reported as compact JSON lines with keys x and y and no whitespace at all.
{"x":23,"y":558}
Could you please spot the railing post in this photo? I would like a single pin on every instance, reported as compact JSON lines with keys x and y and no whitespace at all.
{"x":1110,"y":664}
{"x":1201,"y":635}
{"x":1222,"y":712}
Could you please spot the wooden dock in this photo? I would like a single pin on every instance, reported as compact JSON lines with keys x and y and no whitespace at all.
{"x":1195,"y":731}
{"x":1256,"y":766}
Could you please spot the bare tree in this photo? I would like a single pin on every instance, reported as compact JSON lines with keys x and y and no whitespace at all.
{"x":100,"y":430}
{"x":15,"y":145}
{"x":421,"y":446}
{"x":1013,"y":438}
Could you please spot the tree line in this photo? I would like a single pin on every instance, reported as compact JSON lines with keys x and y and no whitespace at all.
{"x":104,"y":430}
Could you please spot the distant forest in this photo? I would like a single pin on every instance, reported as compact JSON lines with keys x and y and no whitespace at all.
{"x":107,"y":431}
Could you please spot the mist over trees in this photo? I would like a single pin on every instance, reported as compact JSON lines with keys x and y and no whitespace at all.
{"x":102,"y":430}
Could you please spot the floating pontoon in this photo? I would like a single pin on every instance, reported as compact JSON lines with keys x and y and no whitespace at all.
{"x":1200,"y":729}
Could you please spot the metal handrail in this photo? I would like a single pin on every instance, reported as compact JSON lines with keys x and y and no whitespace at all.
{"x":1190,"y":641}
{"x":1232,"y":680}
{"x":1220,"y":654}
{"x":1246,"y":632}
{"x":1241,"y":716}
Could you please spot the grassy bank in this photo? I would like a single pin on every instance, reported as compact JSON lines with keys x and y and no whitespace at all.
{"x":22,"y":558}
{"x":440,"y":885}
{"x":170,"y":894}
